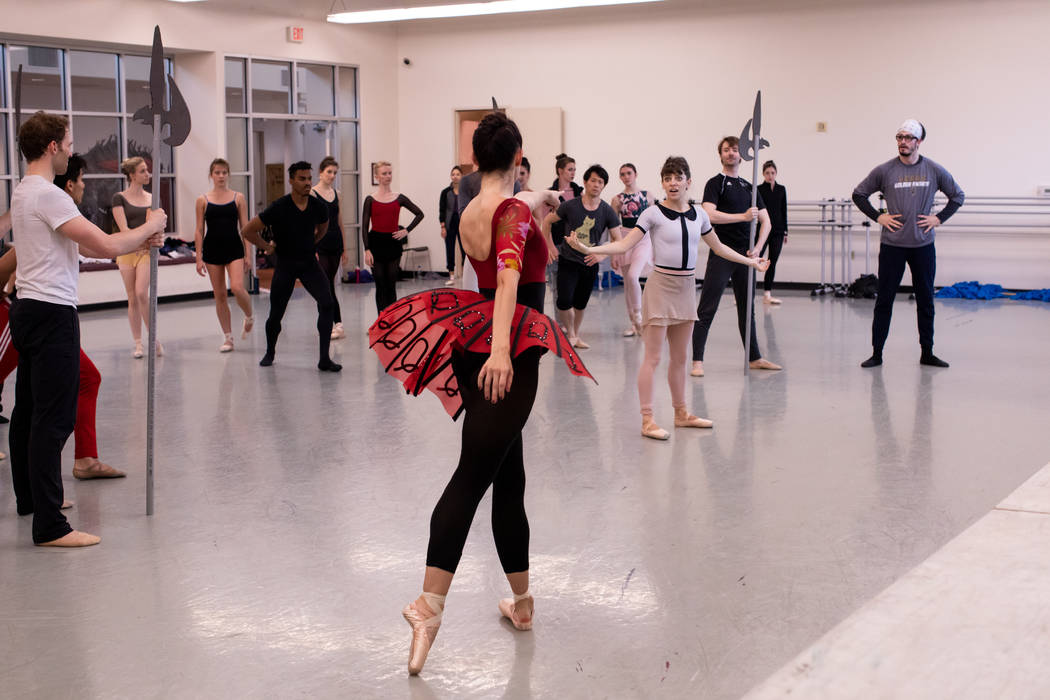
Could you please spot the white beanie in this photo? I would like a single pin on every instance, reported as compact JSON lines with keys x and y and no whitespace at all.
{"x":913,"y":127}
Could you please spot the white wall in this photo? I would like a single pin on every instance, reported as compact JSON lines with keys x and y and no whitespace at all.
{"x":641,"y":84}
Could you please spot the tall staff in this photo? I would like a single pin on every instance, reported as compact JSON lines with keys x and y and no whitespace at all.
{"x":177,"y":118}
{"x":751,"y":142}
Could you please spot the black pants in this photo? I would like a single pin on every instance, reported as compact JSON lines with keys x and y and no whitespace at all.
{"x":329,"y":263}
{"x":575,"y":284}
{"x":309,"y":273}
{"x":719,"y":272}
{"x":491,"y":454}
{"x":451,"y":238}
{"x":923,"y":264}
{"x":47,"y":337}
{"x":774,"y":243}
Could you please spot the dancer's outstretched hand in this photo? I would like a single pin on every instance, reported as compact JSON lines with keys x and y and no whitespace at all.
{"x":576,"y":244}
{"x":496,"y":375}
{"x":760,"y":264}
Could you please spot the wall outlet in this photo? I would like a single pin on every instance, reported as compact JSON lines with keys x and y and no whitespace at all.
{"x":822,"y":127}
{"x":1042,"y":191}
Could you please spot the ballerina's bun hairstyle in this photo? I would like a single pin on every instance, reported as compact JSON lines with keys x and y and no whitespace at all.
{"x":561,"y":161}
{"x":129,"y":165}
{"x":218,"y":163}
{"x":495,"y":141}
{"x":676,"y":165}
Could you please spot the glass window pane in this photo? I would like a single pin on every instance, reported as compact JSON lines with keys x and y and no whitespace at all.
{"x":93,"y":81}
{"x":239,"y":183}
{"x":98,"y":194}
{"x":136,"y":82}
{"x":348,"y":202}
{"x":167,"y":196}
{"x":98,"y":140}
{"x":347,"y":93}
{"x":3,"y":144}
{"x":140,"y":143}
{"x":5,"y":195}
{"x":316,"y":89}
{"x":235,"y":98}
{"x":237,"y":143}
{"x":348,"y":146}
{"x":271,"y":87}
{"x":43,"y":83}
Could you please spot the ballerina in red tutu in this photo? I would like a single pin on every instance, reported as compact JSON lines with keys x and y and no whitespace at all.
{"x":480,"y":354}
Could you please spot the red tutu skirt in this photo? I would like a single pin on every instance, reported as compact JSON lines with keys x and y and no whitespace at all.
{"x":416,"y":336}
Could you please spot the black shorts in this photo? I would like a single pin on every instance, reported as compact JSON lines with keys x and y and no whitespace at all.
{"x":575,"y":283}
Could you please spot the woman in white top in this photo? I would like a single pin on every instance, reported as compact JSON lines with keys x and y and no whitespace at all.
{"x":675,"y":228}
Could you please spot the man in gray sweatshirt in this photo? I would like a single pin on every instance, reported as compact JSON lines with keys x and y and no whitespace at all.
{"x":909,"y":183}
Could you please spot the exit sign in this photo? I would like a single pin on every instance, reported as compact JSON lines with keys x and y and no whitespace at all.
{"x":295,"y":35}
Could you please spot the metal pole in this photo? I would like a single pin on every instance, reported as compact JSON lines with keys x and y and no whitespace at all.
{"x":832,"y":229}
{"x":751,"y":247}
{"x":847,"y":215}
{"x":151,"y":361}
{"x":823,"y":248}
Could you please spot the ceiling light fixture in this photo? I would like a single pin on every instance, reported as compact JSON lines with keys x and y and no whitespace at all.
{"x":470,"y":9}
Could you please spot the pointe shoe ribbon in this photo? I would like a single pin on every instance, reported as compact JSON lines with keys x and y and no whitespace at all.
{"x":506,"y":608}
{"x":652,"y":430}
{"x":424,"y":631}
{"x":684,"y":419}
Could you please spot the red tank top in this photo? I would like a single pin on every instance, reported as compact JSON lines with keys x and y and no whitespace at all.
{"x":385,"y":216}
{"x":516,"y":243}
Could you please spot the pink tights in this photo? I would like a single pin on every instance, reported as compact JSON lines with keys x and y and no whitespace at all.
{"x":678,"y":339}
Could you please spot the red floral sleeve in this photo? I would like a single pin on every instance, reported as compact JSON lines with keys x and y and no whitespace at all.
{"x":512,"y":228}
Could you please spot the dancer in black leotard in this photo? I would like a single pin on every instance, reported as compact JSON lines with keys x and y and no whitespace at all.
{"x":384,"y":236}
{"x":221,"y":213}
{"x":298,"y":221}
{"x":330,"y":249}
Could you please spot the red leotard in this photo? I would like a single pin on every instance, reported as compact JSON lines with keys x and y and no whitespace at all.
{"x":385,"y":216}
{"x":516,"y":244}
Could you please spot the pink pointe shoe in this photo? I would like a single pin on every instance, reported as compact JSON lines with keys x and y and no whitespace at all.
{"x":424,"y":630}
{"x":521,"y":622}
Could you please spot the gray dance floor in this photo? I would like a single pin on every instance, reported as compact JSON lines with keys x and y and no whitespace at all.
{"x":293,"y":508}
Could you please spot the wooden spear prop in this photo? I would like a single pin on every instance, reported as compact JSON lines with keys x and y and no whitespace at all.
{"x":177,"y":117}
{"x":751,"y":142}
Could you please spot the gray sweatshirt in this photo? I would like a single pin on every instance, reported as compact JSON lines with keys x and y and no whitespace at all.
{"x":909,"y":192}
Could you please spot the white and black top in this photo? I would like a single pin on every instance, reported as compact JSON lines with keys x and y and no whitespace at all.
{"x":675,"y":235}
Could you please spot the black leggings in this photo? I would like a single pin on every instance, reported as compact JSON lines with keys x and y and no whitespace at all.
{"x":385,"y":274}
{"x":718,"y":273}
{"x":491,"y":453}
{"x":774,"y":243}
{"x":309,"y":273}
{"x":330,"y":266}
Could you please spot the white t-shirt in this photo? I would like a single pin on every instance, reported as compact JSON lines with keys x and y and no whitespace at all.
{"x":675,"y":235}
{"x":48,"y":262}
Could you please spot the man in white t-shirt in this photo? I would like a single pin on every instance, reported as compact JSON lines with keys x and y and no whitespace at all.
{"x":49,"y":229}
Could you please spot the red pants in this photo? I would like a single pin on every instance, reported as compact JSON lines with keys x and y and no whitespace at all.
{"x":85,"y":444}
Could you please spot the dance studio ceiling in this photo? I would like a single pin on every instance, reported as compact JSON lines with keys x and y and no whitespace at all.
{"x":319,"y":9}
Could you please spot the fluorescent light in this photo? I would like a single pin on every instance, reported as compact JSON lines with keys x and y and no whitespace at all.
{"x":495,"y":7}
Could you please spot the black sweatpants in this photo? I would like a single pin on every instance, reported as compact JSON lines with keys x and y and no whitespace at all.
{"x":313,"y":278}
{"x":329,"y":263}
{"x":47,"y":337}
{"x":775,"y":244}
{"x":451,"y":239}
{"x":575,"y":284}
{"x":491,"y":453}
{"x":719,"y":272}
{"x":923,"y":264}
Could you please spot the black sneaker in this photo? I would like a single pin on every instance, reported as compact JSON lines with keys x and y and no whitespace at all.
{"x":931,"y":360}
{"x":873,"y":361}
